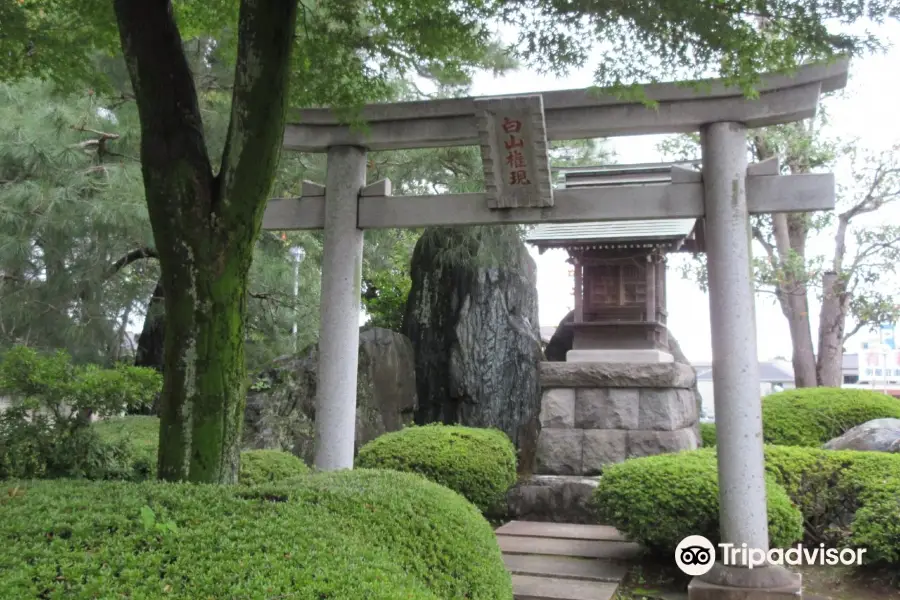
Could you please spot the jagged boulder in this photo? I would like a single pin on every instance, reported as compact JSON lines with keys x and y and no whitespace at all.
{"x":561,"y":341}
{"x":476,"y":335}
{"x":281,"y":411}
{"x":878,"y":435}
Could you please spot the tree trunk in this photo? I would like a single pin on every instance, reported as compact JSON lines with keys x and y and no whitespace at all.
{"x":150,"y":351}
{"x":204,"y":225}
{"x":787,"y":258}
{"x":795,"y":308}
{"x":476,"y":338}
{"x":790,"y":231}
{"x":829,"y":366}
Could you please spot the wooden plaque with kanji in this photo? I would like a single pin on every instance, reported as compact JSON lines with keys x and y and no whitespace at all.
{"x":513,"y":140}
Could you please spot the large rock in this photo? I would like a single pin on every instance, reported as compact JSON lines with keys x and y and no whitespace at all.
{"x":879,"y":435}
{"x":561,"y":341}
{"x":475,"y":332}
{"x":281,"y":411}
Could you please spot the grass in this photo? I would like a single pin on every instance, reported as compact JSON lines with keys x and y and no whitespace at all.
{"x":142,"y":432}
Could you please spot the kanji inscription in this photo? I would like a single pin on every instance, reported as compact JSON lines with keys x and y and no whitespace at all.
{"x":514,"y":152}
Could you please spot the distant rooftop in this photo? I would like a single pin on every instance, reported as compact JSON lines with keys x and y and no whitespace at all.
{"x":774,"y":371}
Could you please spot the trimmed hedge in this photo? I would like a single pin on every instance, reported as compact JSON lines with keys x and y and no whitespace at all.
{"x":478,"y":463}
{"x":708,"y":434}
{"x":812,"y":416}
{"x":848,"y":499}
{"x":269,"y":466}
{"x":660,"y":500}
{"x":844,"y":499}
{"x":350,"y":534}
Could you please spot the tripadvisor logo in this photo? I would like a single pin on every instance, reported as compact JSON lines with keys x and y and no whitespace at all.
{"x":695,"y":556}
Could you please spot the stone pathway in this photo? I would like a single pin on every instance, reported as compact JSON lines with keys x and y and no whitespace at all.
{"x":560,"y":561}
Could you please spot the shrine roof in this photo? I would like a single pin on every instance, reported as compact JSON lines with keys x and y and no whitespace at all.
{"x":611,"y":233}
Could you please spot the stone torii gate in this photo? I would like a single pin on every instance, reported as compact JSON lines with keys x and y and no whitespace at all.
{"x":513,"y":132}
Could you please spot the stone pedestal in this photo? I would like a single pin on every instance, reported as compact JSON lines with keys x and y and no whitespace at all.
{"x":596,"y":414}
{"x":615,"y":335}
{"x":619,"y":356}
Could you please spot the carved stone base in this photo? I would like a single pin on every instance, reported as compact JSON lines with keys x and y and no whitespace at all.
{"x":619,"y":356}
{"x":626,"y":413}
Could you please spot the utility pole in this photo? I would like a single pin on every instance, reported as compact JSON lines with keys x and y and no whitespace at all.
{"x":298,"y":253}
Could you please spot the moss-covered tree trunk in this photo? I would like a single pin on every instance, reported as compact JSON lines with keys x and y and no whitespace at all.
{"x":205,"y":224}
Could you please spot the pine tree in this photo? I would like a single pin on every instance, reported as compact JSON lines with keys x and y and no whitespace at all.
{"x":73,"y":225}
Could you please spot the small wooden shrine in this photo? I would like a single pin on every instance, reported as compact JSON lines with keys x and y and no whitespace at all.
{"x":620,"y":267}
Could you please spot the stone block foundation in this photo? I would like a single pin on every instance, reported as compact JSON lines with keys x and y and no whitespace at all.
{"x":596,"y":414}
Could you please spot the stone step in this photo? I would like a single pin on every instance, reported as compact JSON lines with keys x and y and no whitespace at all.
{"x":547,"y":588}
{"x":569,"y":531}
{"x":564,"y":567}
{"x":515,"y":544}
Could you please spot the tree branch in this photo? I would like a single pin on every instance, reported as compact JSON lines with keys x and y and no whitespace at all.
{"x":856,"y":329}
{"x":122,"y":99}
{"x":129,"y":258}
{"x":173,"y":149}
{"x":769,"y":248}
{"x":875,"y":198}
{"x":258,"y":109}
{"x":865,"y":252}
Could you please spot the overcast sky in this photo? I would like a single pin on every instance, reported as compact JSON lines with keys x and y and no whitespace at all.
{"x":866,"y":111}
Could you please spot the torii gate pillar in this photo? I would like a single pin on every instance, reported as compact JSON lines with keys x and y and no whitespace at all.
{"x":339,"y":310}
{"x":742,"y":491}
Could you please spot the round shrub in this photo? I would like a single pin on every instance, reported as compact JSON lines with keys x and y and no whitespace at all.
{"x":268,"y":466}
{"x":708,"y":434}
{"x":848,"y":499}
{"x":660,"y":500}
{"x":351,"y":534}
{"x":480,"y":464}
{"x":813,"y":416}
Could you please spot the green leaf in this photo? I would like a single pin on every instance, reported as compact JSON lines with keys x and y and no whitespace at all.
{"x":148,"y":517}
